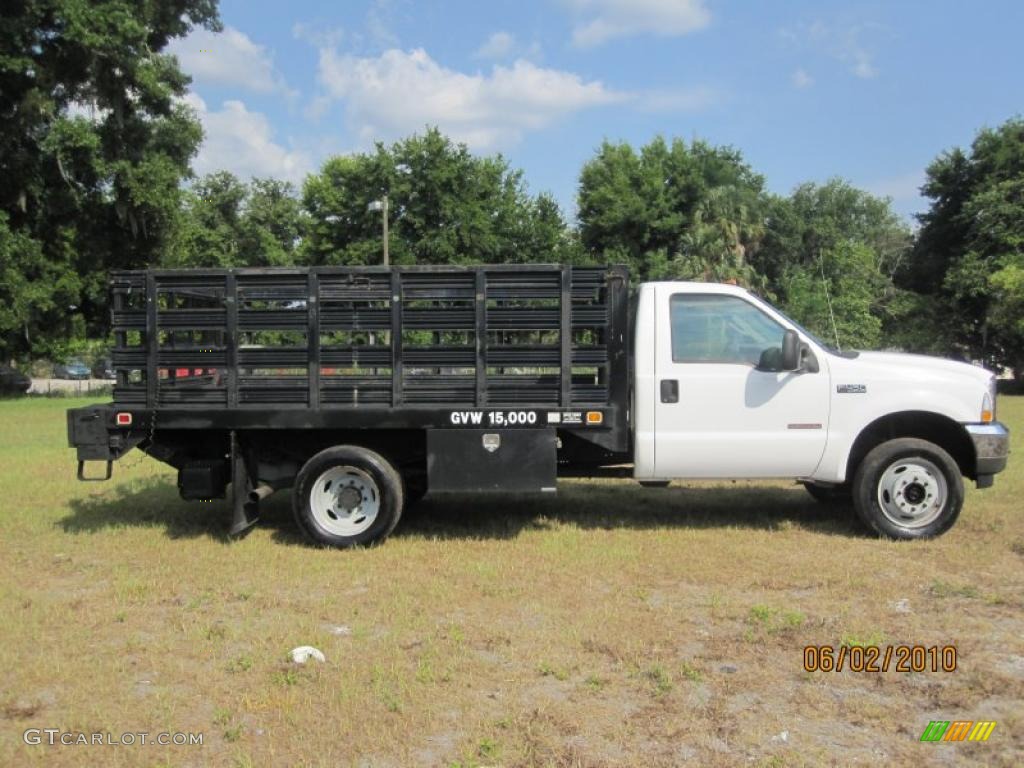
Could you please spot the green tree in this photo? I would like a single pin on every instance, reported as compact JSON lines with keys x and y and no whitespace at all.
{"x":447,"y":206}
{"x":226,"y":223}
{"x":672,"y":210}
{"x":834,"y":242}
{"x":93,"y":145}
{"x":210,"y":230}
{"x":271,"y":224}
{"x":970,"y":251}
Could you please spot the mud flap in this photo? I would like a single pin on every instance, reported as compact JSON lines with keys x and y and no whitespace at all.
{"x":245,"y":512}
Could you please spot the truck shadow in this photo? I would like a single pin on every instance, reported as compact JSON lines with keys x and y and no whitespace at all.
{"x":151,"y":503}
{"x":155,"y":504}
{"x":608,"y":507}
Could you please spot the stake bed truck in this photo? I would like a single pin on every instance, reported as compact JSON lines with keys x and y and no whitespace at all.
{"x":361,"y":388}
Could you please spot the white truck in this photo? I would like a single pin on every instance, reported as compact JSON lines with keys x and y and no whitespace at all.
{"x":362,"y":388}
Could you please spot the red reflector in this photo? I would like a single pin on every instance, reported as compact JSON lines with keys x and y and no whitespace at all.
{"x":124,"y":419}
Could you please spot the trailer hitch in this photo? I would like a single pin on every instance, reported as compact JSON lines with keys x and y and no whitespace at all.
{"x":83,"y":478}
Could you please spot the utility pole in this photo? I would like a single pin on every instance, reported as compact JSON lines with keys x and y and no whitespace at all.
{"x":382,"y":206}
{"x":384,"y":213}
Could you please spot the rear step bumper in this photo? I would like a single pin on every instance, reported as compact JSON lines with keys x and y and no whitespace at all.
{"x":95,"y":435}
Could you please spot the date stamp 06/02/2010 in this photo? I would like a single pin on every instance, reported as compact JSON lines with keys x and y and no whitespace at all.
{"x":879,"y":658}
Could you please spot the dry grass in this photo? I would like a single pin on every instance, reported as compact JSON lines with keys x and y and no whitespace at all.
{"x":609,"y":626}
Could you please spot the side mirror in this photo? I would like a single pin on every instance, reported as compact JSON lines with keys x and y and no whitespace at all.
{"x":790,"y":351}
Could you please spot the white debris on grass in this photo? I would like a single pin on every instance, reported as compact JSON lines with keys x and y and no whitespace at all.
{"x":901,"y":606}
{"x":304,"y":653}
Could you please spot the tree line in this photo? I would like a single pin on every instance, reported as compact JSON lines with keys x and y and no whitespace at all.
{"x":96,"y":142}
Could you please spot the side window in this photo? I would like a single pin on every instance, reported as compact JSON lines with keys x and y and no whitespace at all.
{"x":716,"y":328}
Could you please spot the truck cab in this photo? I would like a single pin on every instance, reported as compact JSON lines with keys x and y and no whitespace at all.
{"x":726,"y":386}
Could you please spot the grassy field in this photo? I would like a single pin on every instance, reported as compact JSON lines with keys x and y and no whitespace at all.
{"x":608,"y":626}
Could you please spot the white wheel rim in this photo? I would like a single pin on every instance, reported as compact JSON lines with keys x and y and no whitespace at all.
{"x":344,"y":500}
{"x":912,"y":492}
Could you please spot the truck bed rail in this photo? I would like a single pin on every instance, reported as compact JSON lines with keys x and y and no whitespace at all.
{"x":345,"y":337}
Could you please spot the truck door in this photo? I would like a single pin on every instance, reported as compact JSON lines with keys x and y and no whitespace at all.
{"x":716,"y":414}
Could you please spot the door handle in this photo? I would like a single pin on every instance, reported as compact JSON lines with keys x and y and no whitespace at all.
{"x":669,"y":391}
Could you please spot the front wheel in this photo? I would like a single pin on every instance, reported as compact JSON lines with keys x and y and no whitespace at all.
{"x":347,"y":496}
{"x":908,"y":489}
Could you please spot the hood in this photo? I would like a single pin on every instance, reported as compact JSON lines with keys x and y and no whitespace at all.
{"x":925,"y":366}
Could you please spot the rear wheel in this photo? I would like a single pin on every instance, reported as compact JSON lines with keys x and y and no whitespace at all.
{"x":908,"y":489}
{"x":347,"y":496}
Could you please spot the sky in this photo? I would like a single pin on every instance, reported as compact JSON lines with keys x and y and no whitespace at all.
{"x":868,"y":91}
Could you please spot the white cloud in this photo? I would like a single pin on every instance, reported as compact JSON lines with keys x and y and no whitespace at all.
{"x":498,"y":46}
{"x":861,"y":64}
{"x":801,"y":79}
{"x":844,"y":43}
{"x":603,"y":20}
{"x":241,"y":141}
{"x":504,"y":46}
{"x":228,"y":58}
{"x":379,"y":22}
{"x":400,"y":92}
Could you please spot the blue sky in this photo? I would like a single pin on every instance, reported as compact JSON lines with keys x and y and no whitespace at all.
{"x":870,"y":91}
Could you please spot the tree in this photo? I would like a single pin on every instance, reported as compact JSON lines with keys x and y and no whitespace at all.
{"x":271,"y":225}
{"x":970,"y":251}
{"x":226,"y":223}
{"x":210,"y":231}
{"x":94,"y":142}
{"x":672,"y":210}
{"x":838,"y":238}
{"x":447,"y":206}
{"x":852,"y":282}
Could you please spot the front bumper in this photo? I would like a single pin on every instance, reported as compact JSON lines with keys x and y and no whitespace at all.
{"x":991,"y":449}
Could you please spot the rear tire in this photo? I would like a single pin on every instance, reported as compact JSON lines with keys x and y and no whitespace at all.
{"x":908,"y":489}
{"x":347,"y":496}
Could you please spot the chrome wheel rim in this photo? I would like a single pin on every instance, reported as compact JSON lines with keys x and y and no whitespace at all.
{"x":912,"y":492}
{"x":344,"y":500}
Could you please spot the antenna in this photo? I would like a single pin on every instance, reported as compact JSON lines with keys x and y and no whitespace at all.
{"x":828,"y":299}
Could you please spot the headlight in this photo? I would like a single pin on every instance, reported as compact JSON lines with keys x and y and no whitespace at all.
{"x":988,"y":403}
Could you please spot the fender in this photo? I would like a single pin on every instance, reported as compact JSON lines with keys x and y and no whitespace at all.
{"x":853,"y":413}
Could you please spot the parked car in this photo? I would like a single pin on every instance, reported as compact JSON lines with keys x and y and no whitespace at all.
{"x":13,"y":381}
{"x":72,"y":369}
{"x":103,"y":369}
